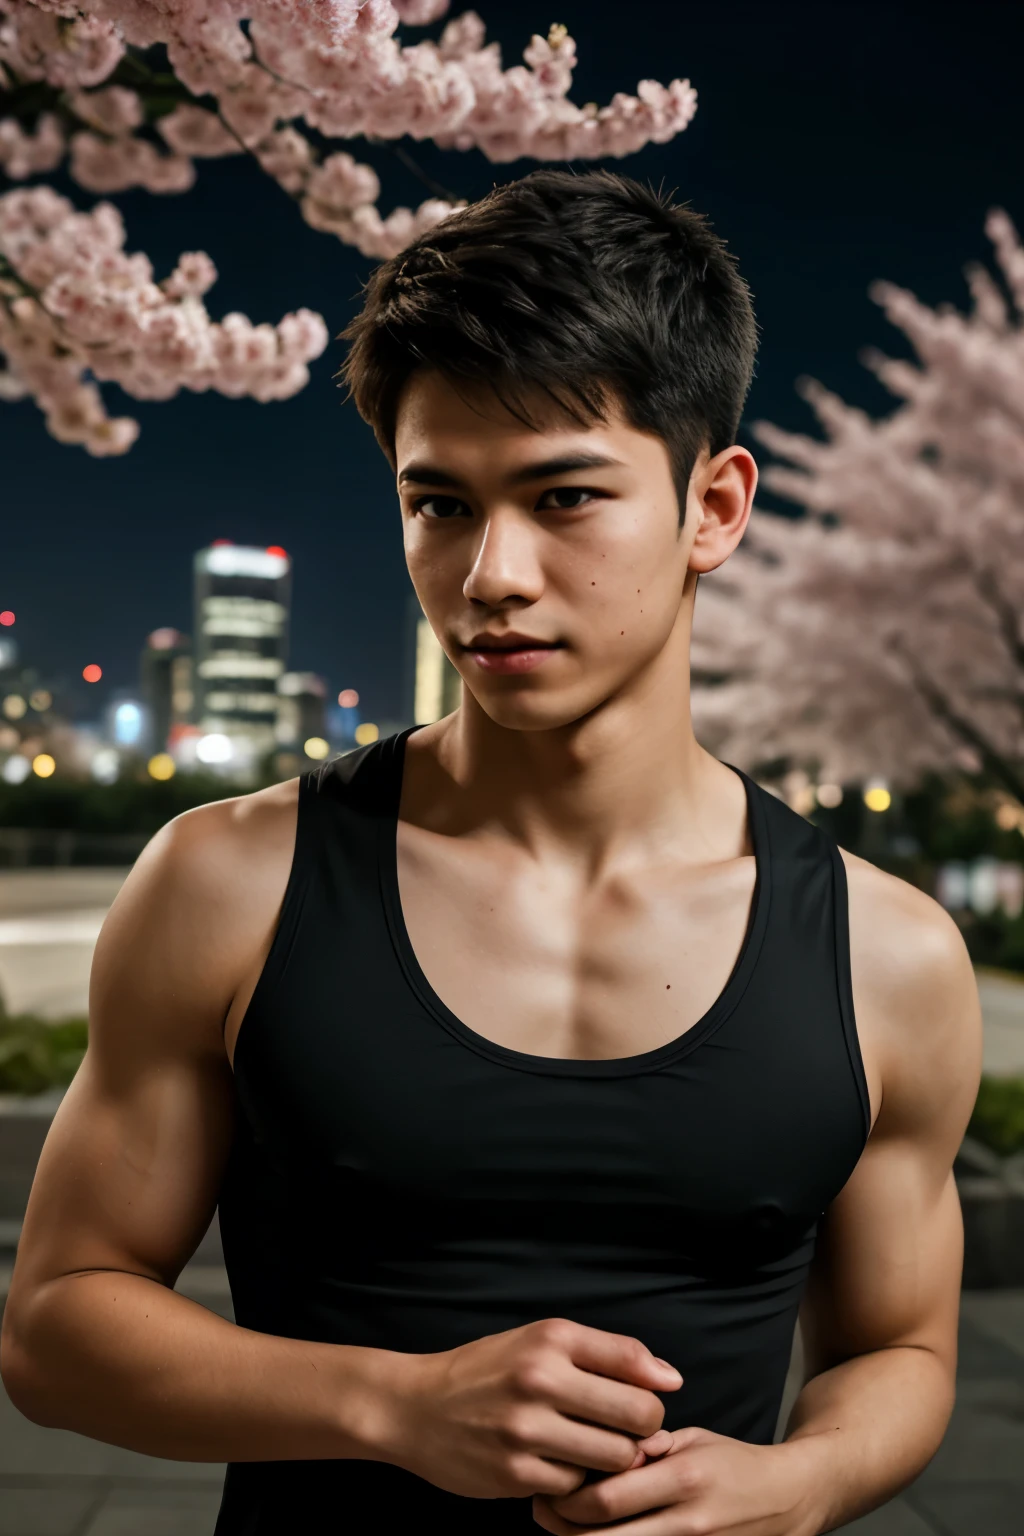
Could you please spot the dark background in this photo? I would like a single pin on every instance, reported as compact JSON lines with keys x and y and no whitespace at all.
{"x":834,"y":143}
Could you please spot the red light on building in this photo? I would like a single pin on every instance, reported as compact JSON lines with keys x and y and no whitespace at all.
{"x":220,"y":543}
{"x":7,"y":617}
{"x":275,"y":549}
{"x":92,"y":673}
{"x":348,"y":698}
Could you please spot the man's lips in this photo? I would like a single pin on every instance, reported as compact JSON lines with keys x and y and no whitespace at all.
{"x":511,"y":641}
{"x":511,"y":653}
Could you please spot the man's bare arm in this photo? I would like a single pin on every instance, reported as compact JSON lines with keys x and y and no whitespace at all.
{"x":879,"y":1319}
{"x":94,"y":1337}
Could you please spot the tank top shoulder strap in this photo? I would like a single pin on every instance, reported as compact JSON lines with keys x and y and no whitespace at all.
{"x":809,"y":924}
{"x":335,"y":865}
{"x":344,"y":803}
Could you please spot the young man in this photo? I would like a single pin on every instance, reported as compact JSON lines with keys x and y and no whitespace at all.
{"x":542,"y":1066}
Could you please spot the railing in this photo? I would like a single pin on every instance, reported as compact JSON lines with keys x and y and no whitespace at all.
{"x":29,"y":847}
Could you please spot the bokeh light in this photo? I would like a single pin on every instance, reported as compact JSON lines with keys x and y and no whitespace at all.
{"x":161,"y":766}
{"x":164,"y":639}
{"x":315,"y":747}
{"x":214,"y":748}
{"x":877,"y":796}
{"x":92,"y":673}
{"x":16,"y":770}
{"x":43,"y":764}
{"x":42,"y":698}
{"x":105,"y":765}
{"x":275,"y":549}
{"x":348,"y":698}
{"x":14,"y":706}
{"x":127,"y":723}
{"x":829,"y":795}
{"x":7,"y":617}
{"x":366,"y":733}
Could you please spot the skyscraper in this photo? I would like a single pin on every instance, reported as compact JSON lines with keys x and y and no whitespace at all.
{"x":302,"y":709}
{"x":166,"y":678}
{"x":242,"y":598}
{"x":433,"y":684}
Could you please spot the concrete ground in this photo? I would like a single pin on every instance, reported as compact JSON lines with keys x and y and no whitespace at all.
{"x":53,"y":1483}
{"x":49,"y":921}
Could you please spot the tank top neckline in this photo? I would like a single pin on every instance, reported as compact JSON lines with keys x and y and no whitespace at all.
{"x":393,"y":749}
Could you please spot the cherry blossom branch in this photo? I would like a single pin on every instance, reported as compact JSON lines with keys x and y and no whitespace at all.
{"x":1000,"y":768}
{"x":819,"y":656}
{"x":255,"y":77}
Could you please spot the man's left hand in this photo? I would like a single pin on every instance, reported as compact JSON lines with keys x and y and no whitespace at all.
{"x":694,"y":1483}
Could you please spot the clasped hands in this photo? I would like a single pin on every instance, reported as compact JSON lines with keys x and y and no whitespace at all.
{"x":692,"y":1482}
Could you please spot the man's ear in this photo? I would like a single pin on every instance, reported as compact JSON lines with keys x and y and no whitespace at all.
{"x":720,"y":498}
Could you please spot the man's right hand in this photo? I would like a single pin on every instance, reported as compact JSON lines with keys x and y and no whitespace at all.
{"x":528,"y":1411}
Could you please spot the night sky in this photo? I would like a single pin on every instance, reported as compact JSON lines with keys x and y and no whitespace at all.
{"x":834,"y":143}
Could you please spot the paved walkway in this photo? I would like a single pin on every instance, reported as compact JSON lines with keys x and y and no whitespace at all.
{"x":53,"y":1483}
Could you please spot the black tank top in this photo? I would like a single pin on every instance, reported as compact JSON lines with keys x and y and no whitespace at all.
{"x":398,"y":1181}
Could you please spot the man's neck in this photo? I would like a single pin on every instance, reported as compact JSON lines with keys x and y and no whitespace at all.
{"x":625,"y":783}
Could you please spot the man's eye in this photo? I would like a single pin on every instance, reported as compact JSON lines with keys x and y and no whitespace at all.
{"x":565,"y":497}
{"x":439,"y":506}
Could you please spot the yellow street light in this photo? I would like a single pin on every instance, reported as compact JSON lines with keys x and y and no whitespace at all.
{"x":877,"y":796}
{"x":315,"y":747}
{"x":161,"y":767}
{"x":14,"y":706}
{"x":43,"y":764}
{"x":366,"y":733}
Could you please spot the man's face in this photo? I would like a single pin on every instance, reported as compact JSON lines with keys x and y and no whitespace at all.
{"x":560,"y":541}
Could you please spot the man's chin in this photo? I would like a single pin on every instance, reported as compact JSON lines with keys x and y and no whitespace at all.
{"x":533,"y":710}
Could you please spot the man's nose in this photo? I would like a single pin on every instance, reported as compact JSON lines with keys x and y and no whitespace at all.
{"x":506,"y":564}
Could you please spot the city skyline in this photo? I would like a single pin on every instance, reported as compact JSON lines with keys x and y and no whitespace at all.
{"x":219,"y":698}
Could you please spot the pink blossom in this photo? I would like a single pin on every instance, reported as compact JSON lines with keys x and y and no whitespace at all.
{"x":339,"y":183}
{"x":194,"y":274}
{"x":287,"y":155}
{"x":194,"y":132}
{"x":27,"y":154}
{"x":552,"y":60}
{"x":420,"y":13}
{"x":463,"y":36}
{"x":38,"y":46}
{"x":113,"y":165}
{"x":114,"y":110}
{"x":302,"y":335}
{"x":100,"y":311}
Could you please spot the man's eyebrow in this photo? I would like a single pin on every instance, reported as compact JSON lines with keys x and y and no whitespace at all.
{"x":433,"y":474}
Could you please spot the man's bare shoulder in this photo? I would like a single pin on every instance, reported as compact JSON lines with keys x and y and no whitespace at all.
{"x":198,"y":908}
{"x":915,"y":993}
{"x":225,"y":841}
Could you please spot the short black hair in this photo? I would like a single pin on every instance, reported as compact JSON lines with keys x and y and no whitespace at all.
{"x":579,"y":286}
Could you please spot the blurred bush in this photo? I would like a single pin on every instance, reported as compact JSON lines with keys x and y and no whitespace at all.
{"x":36,"y":1054}
{"x":998,"y":1118}
{"x":131,"y":805}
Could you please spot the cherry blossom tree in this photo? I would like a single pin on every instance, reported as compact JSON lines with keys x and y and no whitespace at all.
{"x":132,"y":93}
{"x":882,"y":633}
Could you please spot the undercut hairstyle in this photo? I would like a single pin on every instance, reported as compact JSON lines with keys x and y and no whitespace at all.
{"x":590,"y":289}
